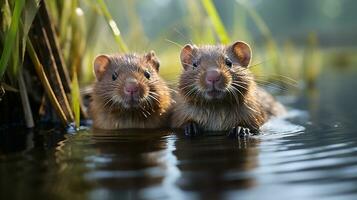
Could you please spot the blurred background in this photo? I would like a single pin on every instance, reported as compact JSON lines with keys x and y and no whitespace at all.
{"x":292,"y":41}
{"x":290,"y":38}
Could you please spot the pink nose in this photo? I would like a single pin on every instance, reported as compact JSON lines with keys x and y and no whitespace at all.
{"x":213,"y":76}
{"x":131,"y":88}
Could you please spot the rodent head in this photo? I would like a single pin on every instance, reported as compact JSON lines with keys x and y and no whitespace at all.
{"x":130,"y":82}
{"x":215,"y":73}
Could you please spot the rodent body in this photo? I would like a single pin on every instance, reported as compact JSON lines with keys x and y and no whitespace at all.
{"x":217,"y":92}
{"x":129,"y":93}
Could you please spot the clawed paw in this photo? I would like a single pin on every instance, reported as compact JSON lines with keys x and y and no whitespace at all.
{"x":192,"y":129}
{"x":240,"y":132}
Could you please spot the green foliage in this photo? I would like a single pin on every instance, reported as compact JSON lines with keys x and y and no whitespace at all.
{"x":113,"y":26}
{"x":216,"y":21}
{"x":271,"y":49}
{"x":311,"y":60}
{"x":11,"y":38}
{"x":75,"y":94}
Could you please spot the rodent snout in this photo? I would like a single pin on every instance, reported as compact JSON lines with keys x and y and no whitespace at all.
{"x":131,"y":87}
{"x":213,"y":76}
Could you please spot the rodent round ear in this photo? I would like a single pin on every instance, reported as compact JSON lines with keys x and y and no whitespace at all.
{"x":186,"y":56}
{"x":243,"y":52}
{"x":101,"y":64}
{"x":153,"y":60}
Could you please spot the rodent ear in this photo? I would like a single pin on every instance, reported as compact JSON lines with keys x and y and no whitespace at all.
{"x":186,"y":56}
{"x":101,"y":64}
{"x":153,"y":60}
{"x":243,"y":52}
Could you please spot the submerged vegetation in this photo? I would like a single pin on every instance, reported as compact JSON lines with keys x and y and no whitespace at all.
{"x":54,"y":42}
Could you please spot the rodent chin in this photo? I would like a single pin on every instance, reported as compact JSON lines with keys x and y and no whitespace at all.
{"x":213,"y":94}
{"x":129,"y":103}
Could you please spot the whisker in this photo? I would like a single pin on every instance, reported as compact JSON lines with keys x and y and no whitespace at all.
{"x":233,"y":93}
{"x":250,"y":108}
{"x":188,"y":63}
{"x":154,"y":98}
{"x":175,"y":43}
{"x":271,"y":85}
{"x":238,"y":85}
{"x":182,"y":35}
{"x":237,"y":91}
{"x":108,"y":101}
{"x":291,"y":83}
{"x":190,"y":92}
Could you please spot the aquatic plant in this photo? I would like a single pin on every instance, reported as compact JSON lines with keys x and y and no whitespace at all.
{"x":52,"y":54}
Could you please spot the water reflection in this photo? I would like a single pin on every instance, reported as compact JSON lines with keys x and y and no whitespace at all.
{"x":214,"y":164}
{"x":310,"y":154}
{"x":162,"y":164}
{"x":134,"y":163}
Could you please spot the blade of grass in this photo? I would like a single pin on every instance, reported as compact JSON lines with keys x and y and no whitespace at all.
{"x":240,"y":23}
{"x":200,"y":33}
{"x":271,"y":45}
{"x":44,"y":50}
{"x":77,"y":51}
{"x":25,"y":102}
{"x":263,"y":28}
{"x":30,"y":11}
{"x":7,"y":87}
{"x":46,"y":84}
{"x":64,"y":21}
{"x":311,"y":60}
{"x":216,"y":21}
{"x":15,"y":57}
{"x":54,"y":44}
{"x":136,"y":34}
{"x":5,"y":20}
{"x":11,"y":35}
{"x":76,"y":99}
{"x":113,"y":26}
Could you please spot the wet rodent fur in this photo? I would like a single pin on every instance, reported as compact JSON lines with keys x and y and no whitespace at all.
{"x":233,"y":102}
{"x":112,"y":108}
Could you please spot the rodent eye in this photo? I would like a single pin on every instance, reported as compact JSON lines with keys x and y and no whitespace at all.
{"x":228,"y":62}
{"x":195,"y":64}
{"x":115,"y":76}
{"x":147,"y":74}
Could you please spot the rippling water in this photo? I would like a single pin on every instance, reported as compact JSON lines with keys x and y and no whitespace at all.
{"x":309,"y":154}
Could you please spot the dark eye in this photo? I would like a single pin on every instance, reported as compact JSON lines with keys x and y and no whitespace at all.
{"x":147,"y":74}
{"x":115,"y":76}
{"x":228,"y":62}
{"x":195,"y":64}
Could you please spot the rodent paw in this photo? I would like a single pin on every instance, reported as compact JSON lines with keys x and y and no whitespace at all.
{"x":192,"y":129}
{"x":239,"y":132}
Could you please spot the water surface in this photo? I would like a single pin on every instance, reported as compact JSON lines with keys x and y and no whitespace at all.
{"x":312,"y":154}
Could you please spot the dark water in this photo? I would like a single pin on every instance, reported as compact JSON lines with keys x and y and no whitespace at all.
{"x":310,"y":155}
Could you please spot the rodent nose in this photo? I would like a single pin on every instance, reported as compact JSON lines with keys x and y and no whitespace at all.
{"x":131,"y":88}
{"x":213,"y":76}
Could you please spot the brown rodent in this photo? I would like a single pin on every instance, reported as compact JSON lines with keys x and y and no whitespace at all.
{"x":129,"y":93}
{"x":217,"y":92}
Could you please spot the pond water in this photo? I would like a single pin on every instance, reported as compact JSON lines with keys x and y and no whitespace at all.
{"x":311,"y":154}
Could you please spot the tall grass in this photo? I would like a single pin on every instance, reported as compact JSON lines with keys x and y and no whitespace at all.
{"x":113,"y":26}
{"x":11,"y":36}
{"x":17,"y":17}
{"x":216,"y":21}
{"x":271,"y":48}
{"x":76,"y":99}
{"x":86,"y":27}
